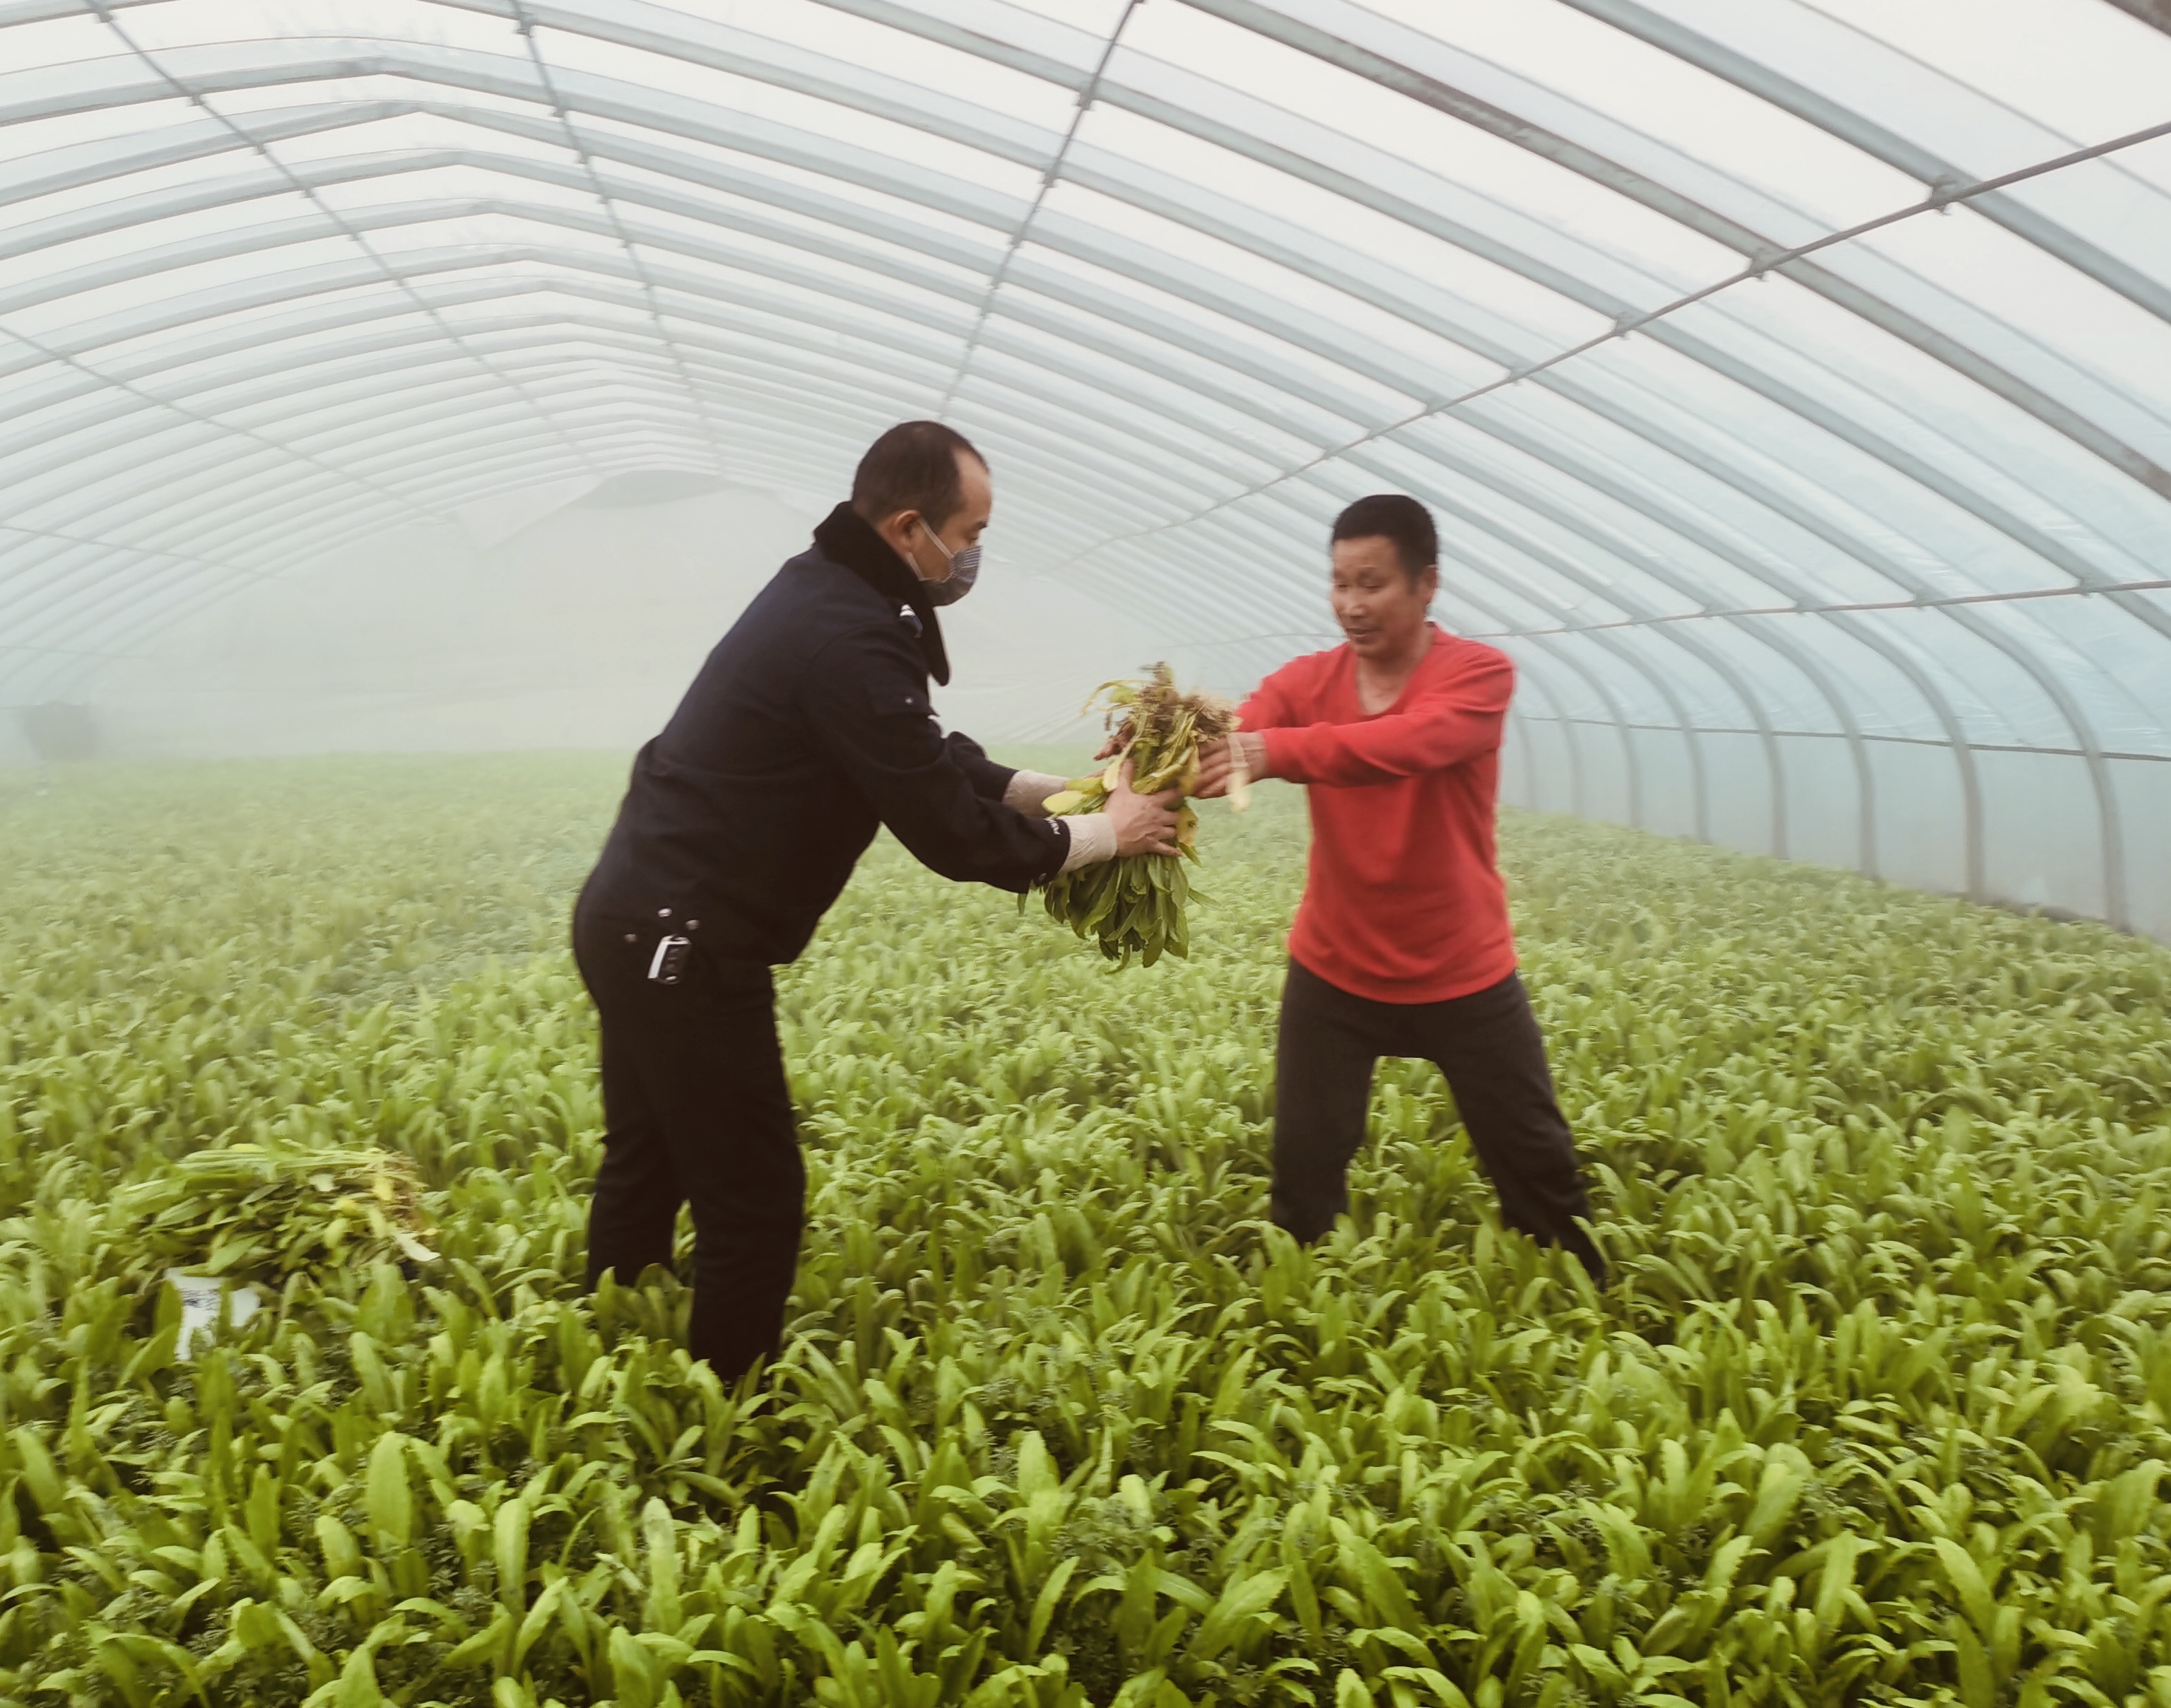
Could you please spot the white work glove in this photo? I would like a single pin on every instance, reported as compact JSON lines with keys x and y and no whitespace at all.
{"x":1028,"y":791}
{"x":1148,"y":820}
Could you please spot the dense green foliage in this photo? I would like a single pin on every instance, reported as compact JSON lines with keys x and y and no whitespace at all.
{"x":1877,"y":1409}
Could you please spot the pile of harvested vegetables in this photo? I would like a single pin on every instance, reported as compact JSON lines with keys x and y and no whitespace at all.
{"x":1134,"y":903}
{"x":265,"y":1213}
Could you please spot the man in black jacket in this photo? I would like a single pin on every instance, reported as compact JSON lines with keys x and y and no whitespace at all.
{"x":809,"y":725}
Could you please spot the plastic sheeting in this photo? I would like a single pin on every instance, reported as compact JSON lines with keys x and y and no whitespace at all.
{"x":1856,"y":551}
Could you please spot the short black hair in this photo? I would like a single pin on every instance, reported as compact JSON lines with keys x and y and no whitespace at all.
{"x":913,"y":466}
{"x":1395,"y":517}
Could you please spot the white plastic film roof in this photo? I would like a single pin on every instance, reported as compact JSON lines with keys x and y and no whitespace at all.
{"x":1792,"y":381}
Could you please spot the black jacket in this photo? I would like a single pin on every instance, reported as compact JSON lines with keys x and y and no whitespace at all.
{"x":809,"y":725}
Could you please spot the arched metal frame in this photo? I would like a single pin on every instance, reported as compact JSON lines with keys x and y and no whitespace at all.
{"x":757,"y":297}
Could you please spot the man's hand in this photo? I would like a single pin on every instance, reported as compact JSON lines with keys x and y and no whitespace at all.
{"x":1217,"y":764}
{"x":1144,"y":823}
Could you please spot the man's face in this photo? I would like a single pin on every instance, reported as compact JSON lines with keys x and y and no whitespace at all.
{"x":962,"y":529}
{"x":1380,"y":606}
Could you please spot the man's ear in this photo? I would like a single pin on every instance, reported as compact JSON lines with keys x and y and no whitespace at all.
{"x":897,"y":526}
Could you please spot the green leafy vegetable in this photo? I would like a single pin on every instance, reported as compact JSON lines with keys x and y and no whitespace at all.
{"x":1878,"y":1409}
{"x":1134,"y":904}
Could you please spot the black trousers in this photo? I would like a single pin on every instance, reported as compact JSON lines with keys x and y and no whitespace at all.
{"x":696,"y":1111}
{"x":1489,"y":1046}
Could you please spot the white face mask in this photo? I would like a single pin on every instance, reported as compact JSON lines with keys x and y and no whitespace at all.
{"x":964,"y":570}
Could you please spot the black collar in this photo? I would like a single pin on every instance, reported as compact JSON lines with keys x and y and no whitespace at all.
{"x":845,"y":537}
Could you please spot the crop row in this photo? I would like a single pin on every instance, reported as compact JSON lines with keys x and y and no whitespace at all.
{"x":1878,"y":1407}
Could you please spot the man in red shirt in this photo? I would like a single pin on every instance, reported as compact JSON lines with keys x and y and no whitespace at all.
{"x":1402,"y":945}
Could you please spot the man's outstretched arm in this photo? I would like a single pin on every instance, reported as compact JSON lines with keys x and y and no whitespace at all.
{"x":865,"y":695}
{"x":1443,"y":725}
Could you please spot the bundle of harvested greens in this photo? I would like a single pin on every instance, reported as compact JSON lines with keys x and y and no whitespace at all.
{"x":263,"y":1213}
{"x":1134,"y":903}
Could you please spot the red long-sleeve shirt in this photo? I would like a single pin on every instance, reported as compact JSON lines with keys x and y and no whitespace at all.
{"x":1403,"y":902}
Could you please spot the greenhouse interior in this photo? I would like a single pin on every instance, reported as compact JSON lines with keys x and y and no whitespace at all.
{"x":1492,"y":1029}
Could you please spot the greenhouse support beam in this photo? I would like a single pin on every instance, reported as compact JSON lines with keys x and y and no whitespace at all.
{"x":1181,"y":202}
{"x":338,"y":170}
{"x":1571,"y":520}
{"x":1923,"y":473}
{"x":1783,"y":839}
{"x":1024,"y":227}
{"x":181,"y":86}
{"x":1238,"y":401}
{"x":1653,"y":678}
{"x":2017,"y":747}
{"x":573,"y":140}
{"x":1578,"y":782}
{"x":2156,"y":14}
{"x":1868,"y":636}
{"x":1882,"y":143}
{"x":1578,"y":799}
{"x":698,"y":285}
{"x":1714,"y":661}
{"x":1661,"y":332}
{"x":433,"y":428}
{"x":1314,"y":27}
{"x":738,"y":51}
{"x":380,"y":462}
{"x":48,"y":352}
{"x":1668,"y":517}
{"x":1927,"y":603}
{"x":1623,"y":725}
{"x":1518,"y":744}
{"x":1713,"y":658}
{"x":918,"y":368}
{"x":952,"y":30}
